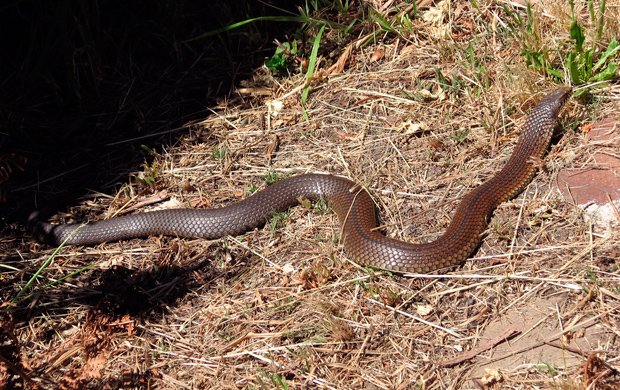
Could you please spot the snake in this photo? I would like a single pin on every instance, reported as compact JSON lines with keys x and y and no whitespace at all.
{"x":363,"y":242}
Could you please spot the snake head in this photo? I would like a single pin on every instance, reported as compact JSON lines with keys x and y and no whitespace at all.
{"x":555,"y":100}
{"x":41,"y":231}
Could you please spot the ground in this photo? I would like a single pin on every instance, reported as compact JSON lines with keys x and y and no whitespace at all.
{"x":282,"y":306}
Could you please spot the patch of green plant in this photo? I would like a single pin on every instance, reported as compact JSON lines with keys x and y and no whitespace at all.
{"x":277,"y":380}
{"x":453,"y":85}
{"x":591,"y":275}
{"x":460,"y":136}
{"x":151,"y":171}
{"x":322,"y":206}
{"x":369,"y":287}
{"x":382,"y":22}
{"x":287,"y":305}
{"x":278,"y":220}
{"x":372,"y":270}
{"x":342,"y":7}
{"x":28,"y":286}
{"x":271,"y":177}
{"x":404,"y":24}
{"x":304,"y":202}
{"x":164,"y":346}
{"x":297,"y":335}
{"x":393,"y":295}
{"x":283,"y":58}
{"x":549,"y":367}
{"x":219,"y":152}
{"x":323,"y":10}
{"x":578,"y":61}
{"x":475,"y":61}
{"x":252,"y":188}
{"x":225,"y":336}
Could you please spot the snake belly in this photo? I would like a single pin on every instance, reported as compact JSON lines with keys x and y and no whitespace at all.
{"x":353,"y":205}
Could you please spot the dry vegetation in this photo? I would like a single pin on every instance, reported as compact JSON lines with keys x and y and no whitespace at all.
{"x":282,"y":306}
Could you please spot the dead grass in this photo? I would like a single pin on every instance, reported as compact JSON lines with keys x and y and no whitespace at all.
{"x":285,"y":307}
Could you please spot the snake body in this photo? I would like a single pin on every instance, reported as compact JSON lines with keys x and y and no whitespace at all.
{"x":354,"y":207}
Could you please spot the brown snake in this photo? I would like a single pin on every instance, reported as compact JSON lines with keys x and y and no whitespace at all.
{"x":354,"y":207}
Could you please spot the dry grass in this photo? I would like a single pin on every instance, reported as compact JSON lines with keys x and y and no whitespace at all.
{"x":285,"y":307}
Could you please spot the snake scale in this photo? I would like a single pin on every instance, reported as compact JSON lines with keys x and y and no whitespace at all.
{"x":354,"y":207}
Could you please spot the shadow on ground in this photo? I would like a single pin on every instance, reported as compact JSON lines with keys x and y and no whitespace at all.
{"x":90,"y":89}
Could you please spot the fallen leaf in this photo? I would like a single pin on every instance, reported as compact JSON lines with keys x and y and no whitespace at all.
{"x":587,"y":128}
{"x":377,"y":55}
{"x":424,"y":310}
{"x":491,"y":376}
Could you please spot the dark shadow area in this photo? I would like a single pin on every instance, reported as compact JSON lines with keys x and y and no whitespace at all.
{"x":86,"y":84}
{"x":115,"y":298}
{"x":83,"y":85}
{"x":114,"y":292}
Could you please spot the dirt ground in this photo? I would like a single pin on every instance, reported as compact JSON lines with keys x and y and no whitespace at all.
{"x":282,"y":306}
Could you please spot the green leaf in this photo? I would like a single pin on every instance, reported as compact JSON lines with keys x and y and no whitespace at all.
{"x":587,"y":64}
{"x":285,"y":19}
{"x":276,"y":64}
{"x":292,"y":48}
{"x":607,"y":74}
{"x":612,"y":49}
{"x":573,"y":67}
{"x":554,"y":72}
{"x":533,"y":59}
{"x":385,"y":25}
{"x":576,"y":33}
{"x":443,"y":82}
{"x":516,"y":18}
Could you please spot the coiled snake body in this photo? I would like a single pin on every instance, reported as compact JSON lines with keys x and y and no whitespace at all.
{"x":354,"y":207}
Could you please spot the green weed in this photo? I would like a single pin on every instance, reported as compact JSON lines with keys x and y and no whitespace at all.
{"x":580,"y":61}
{"x":460,"y":136}
{"x":287,"y":306}
{"x":277,"y":381}
{"x":28,"y":286}
{"x":271,"y":177}
{"x":219,"y":152}
{"x":322,"y":206}
{"x":277,"y":220}
{"x":550,"y":368}
{"x":151,"y":171}
{"x":252,"y":188}
{"x":577,"y":61}
{"x":591,"y":275}
{"x":284,"y":57}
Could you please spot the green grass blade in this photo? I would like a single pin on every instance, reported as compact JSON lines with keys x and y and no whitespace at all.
{"x":42,"y":268}
{"x":311,"y":65}
{"x":381,"y":21}
{"x":286,"y":19}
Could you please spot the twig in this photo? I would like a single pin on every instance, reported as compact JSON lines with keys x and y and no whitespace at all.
{"x":507,"y":335}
